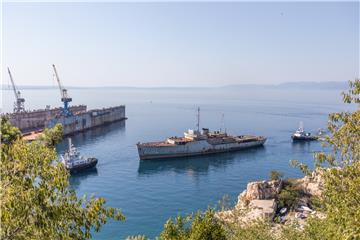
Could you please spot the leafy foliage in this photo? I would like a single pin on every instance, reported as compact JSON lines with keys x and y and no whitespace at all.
{"x":198,"y":227}
{"x":345,"y":132}
{"x":52,"y":136}
{"x":288,"y":196}
{"x":342,"y":204}
{"x":258,"y":230}
{"x":8,"y":132}
{"x":36,"y":202}
{"x":341,"y":197}
{"x":276,"y":175}
{"x":342,"y":182}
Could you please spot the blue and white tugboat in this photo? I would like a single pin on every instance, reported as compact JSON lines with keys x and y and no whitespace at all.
{"x":74,"y":162}
{"x":301,"y":135}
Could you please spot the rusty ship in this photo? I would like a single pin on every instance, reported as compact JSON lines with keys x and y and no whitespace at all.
{"x":72,"y":118}
{"x":196,"y":142}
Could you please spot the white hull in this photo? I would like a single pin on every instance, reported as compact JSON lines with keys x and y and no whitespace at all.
{"x":195,"y":148}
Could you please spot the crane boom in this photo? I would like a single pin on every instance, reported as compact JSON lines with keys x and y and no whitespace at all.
{"x":19,"y":104}
{"x":13,"y":84}
{"x":59,"y":83}
{"x":64,"y":96}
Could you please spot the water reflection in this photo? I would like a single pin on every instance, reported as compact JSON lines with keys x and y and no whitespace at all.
{"x":92,"y":135}
{"x":302,"y":146}
{"x":77,"y":178}
{"x":197,"y":165}
{"x":89,"y":137}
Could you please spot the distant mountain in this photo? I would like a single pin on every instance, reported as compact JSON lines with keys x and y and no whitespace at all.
{"x":286,"y":85}
{"x":20,"y":87}
{"x":315,"y":85}
{"x":294,"y":85}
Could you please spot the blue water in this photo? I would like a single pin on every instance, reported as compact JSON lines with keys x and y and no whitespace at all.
{"x":149,"y":192}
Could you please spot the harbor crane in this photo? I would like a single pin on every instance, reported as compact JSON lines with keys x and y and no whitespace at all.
{"x":64,"y":96}
{"x":19,"y":104}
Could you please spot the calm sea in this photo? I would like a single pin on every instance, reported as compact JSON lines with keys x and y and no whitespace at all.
{"x":149,"y":192}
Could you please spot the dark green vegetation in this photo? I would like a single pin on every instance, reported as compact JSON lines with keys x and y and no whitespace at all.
{"x":36,"y":202}
{"x":199,"y":226}
{"x":276,"y":175}
{"x":289,"y":195}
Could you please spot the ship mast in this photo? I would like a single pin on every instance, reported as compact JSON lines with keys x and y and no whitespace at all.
{"x":198,"y":119}
{"x":223,"y":127}
{"x":301,"y":126}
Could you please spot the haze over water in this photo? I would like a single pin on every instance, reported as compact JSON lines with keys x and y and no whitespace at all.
{"x":149,"y":192}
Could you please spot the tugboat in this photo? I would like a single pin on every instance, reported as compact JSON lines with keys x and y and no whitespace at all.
{"x":74,"y":162}
{"x":301,"y":135}
{"x":197,"y":143}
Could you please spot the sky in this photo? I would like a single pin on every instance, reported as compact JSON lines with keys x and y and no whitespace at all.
{"x":180,"y":44}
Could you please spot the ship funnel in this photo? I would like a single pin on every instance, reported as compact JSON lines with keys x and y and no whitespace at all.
{"x":205,"y":131}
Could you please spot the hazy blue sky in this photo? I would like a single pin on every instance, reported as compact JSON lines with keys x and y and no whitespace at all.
{"x":180,"y":44}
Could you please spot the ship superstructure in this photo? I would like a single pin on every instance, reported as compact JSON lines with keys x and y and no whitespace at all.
{"x":301,"y":135}
{"x":74,"y":162}
{"x":196,"y":142}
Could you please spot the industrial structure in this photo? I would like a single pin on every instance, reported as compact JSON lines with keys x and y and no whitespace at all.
{"x":19,"y":104}
{"x":64,"y":96}
{"x":73,"y":119}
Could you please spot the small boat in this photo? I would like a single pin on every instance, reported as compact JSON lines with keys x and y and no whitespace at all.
{"x":74,"y":162}
{"x":301,"y":135}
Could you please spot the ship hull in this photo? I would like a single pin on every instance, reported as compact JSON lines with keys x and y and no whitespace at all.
{"x":83,"y":167}
{"x":198,"y":148}
{"x":303,"y":138}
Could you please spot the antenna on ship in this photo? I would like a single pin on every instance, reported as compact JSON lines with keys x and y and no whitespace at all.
{"x":198,"y":119}
{"x":301,"y":126}
{"x":223,"y":123}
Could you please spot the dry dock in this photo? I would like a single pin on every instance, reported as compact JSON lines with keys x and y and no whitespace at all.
{"x":82,"y":119}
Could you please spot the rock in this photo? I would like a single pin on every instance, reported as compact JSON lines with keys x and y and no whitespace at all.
{"x":261,"y":190}
{"x":258,"y":201}
{"x":256,"y":209}
{"x":313,"y":185}
{"x":262,"y":209}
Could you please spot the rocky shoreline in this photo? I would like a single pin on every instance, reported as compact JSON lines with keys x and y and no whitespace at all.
{"x":281,"y":201}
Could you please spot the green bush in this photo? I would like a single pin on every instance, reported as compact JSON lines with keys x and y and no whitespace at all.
{"x":36,"y":200}
{"x":203,"y":225}
{"x":288,"y":196}
{"x":276,"y":175}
